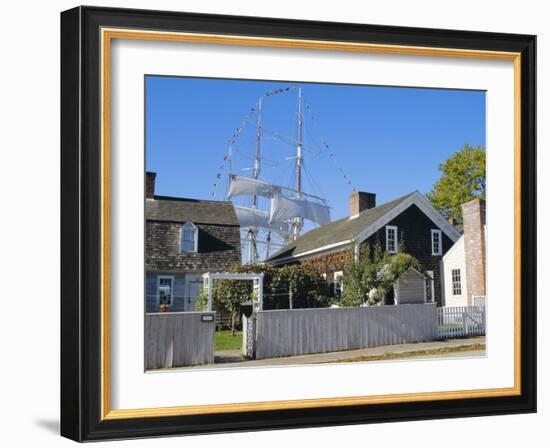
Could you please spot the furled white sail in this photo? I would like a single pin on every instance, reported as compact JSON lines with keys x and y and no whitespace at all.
{"x":240,"y":185}
{"x":284,"y":209}
{"x":251,"y":217}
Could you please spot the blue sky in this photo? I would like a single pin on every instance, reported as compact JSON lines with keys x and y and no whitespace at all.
{"x":385,"y":140}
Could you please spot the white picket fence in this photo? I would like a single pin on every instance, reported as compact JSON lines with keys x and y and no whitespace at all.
{"x":480,"y":300}
{"x":461,"y":321}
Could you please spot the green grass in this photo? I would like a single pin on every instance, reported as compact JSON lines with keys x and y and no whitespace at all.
{"x":412,"y":354}
{"x":225,"y":341}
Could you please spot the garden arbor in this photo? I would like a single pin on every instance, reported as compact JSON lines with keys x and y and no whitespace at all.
{"x":257,"y":279}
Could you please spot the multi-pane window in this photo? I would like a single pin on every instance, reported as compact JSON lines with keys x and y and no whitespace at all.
{"x":165,"y":288}
{"x":436,"y":242}
{"x":189,"y":237}
{"x":391,"y":239}
{"x":338,"y":284}
{"x":457,"y":282}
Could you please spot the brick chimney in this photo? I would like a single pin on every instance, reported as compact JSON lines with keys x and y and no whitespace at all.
{"x":473,"y":214}
{"x":150,"y":184}
{"x":359,"y":201}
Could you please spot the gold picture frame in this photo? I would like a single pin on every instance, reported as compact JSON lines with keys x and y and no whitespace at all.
{"x":518,"y":49}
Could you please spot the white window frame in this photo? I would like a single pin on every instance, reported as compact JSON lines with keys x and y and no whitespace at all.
{"x":340,"y":275}
{"x":396,"y":243}
{"x":172,"y":278}
{"x":459,"y":281}
{"x":440,"y":242}
{"x":189,"y":226}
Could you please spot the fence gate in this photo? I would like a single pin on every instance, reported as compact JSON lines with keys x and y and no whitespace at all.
{"x":461,"y":321}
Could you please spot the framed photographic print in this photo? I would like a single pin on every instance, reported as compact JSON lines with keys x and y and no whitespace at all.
{"x":273,"y":223}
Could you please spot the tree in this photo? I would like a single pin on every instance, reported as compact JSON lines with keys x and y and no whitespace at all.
{"x":370,"y":277}
{"x":227,"y":296}
{"x":462,"y":180}
{"x":306,"y":284}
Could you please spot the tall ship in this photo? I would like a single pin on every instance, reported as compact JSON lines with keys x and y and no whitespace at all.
{"x":272,"y":213}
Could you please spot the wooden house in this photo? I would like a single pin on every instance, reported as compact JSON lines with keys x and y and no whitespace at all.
{"x":185,"y":238}
{"x":409,"y":223}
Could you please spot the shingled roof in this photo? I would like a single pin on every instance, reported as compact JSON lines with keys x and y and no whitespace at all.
{"x":198,"y":211}
{"x":342,"y":230}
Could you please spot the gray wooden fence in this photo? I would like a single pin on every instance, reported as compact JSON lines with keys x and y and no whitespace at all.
{"x":179,"y":339}
{"x":319,"y":330}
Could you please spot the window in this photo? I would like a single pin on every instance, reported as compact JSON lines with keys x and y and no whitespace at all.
{"x":436,"y":242}
{"x":189,"y":237}
{"x":457,"y":282}
{"x":165,"y":288}
{"x":338,"y":284}
{"x":391,"y":239}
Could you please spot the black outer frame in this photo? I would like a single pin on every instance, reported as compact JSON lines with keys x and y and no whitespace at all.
{"x":80,"y":223}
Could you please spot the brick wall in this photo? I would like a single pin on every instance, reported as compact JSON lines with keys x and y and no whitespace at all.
{"x":361,"y":200}
{"x":150,"y":184}
{"x":473,"y":213}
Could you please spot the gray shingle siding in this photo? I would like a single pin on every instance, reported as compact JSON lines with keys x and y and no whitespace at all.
{"x":219,"y":247}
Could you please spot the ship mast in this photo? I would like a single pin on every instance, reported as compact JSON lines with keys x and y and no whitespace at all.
{"x":252,"y":232}
{"x":289,"y":207}
{"x":298,"y":222}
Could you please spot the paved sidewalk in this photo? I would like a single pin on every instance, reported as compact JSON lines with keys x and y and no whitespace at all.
{"x":233,"y":358}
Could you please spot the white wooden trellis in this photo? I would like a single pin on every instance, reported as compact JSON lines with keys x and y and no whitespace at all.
{"x":258,"y":280}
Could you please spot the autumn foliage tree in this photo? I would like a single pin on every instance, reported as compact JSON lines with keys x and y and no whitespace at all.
{"x":462,"y":180}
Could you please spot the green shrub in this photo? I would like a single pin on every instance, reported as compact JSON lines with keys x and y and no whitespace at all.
{"x":369,"y":277}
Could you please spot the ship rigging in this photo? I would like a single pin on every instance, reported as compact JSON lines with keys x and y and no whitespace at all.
{"x":274,"y":210}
